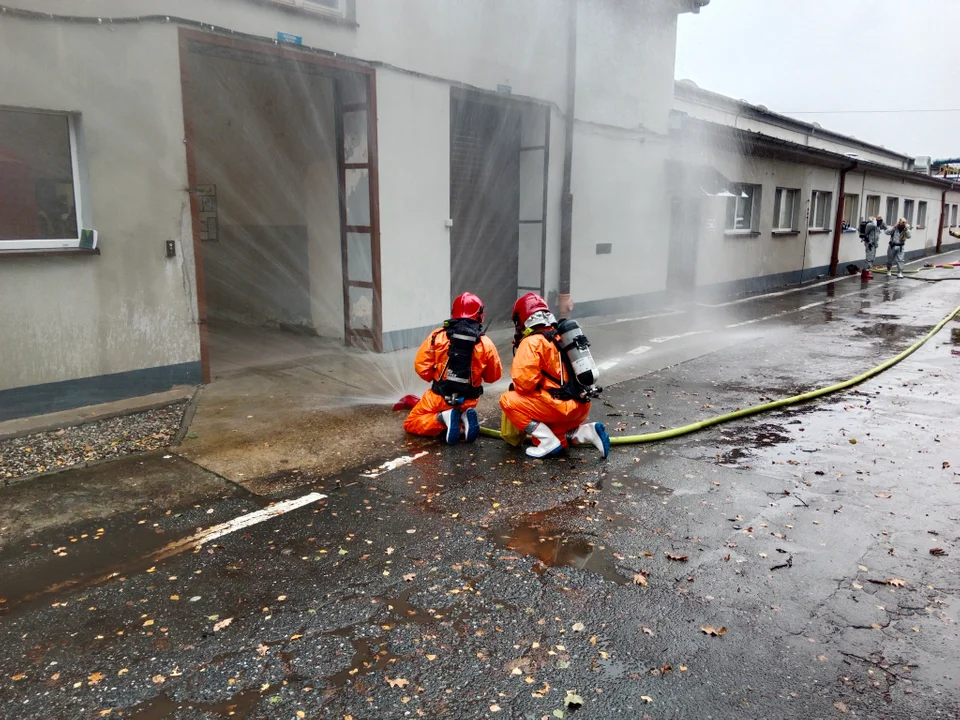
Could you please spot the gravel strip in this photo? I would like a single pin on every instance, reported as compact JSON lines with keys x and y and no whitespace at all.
{"x":104,"y":439}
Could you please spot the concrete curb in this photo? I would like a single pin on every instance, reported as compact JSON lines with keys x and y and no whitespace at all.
{"x":21,"y":427}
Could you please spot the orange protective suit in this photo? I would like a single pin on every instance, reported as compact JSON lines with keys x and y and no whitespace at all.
{"x":430,"y":364}
{"x":529,"y":401}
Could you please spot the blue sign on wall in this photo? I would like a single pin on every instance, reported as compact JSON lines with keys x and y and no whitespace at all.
{"x":290,"y":38}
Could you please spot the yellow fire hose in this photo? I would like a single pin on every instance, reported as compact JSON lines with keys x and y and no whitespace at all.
{"x":775,"y":405}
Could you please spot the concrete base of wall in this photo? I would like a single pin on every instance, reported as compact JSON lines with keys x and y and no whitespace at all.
{"x":69,"y":394}
{"x":411,"y":337}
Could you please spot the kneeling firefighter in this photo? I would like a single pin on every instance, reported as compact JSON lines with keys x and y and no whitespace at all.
{"x":457,"y":359}
{"x":554,"y":378}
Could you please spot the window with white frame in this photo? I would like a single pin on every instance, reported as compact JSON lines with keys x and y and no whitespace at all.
{"x":851,"y":210}
{"x":39,"y":189}
{"x":908,"y":211}
{"x":335,"y":8}
{"x":953,"y":220}
{"x":873,"y":206}
{"x":820,"y":205}
{"x":743,"y":208}
{"x":786,"y":207}
{"x":893,"y":211}
{"x":922,"y":213}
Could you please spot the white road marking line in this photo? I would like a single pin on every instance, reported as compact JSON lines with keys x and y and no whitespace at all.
{"x":788,"y":312}
{"x":675,"y":337}
{"x":776,"y":294}
{"x":393,"y":464}
{"x":642,"y":317}
{"x":254,"y":518}
{"x":609,"y":364}
{"x":639,"y":350}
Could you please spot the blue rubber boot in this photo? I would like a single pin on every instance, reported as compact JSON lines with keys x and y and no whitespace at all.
{"x":471,"y":425}
{"x":451,"y":418}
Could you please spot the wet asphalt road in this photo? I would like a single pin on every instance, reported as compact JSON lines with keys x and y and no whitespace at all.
{"x":474,"y":583}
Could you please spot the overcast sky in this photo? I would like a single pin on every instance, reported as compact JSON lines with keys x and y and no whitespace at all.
{"x":817,"y":55}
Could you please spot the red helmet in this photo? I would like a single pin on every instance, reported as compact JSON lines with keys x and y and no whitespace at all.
{"x":467,"y":306}
{"x":527,"y":306}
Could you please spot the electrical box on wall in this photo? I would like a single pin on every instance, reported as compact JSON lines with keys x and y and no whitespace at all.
{"x":171,"y":248}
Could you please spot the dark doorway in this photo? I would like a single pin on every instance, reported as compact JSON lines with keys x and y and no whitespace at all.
{"x":485,"y":200}
{"x":684,"y":238}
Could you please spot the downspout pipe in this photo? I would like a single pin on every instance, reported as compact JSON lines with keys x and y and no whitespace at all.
{"x":565,"y":303}
{"x":943,"y":211}
{"x":838,"y":221}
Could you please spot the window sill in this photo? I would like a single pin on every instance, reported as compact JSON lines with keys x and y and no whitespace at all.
{"x":921,"y":227}
{"x":785,"y":232}
{"x":741,"y":233}
{"x":45,"y":252}
{"x":819,"y":231}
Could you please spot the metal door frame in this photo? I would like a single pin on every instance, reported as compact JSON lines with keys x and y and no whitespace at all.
{"x":337,"y":66}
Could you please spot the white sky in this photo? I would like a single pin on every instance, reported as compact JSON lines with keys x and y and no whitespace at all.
{"x":817,"y":55}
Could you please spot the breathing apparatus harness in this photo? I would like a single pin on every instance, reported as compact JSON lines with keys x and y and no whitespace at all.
{"x":578,"y":371}
{"x":456,"y":385}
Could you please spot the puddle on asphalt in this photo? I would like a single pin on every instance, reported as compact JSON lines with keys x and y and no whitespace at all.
{"x":889,"y":331}
{"x":539,"y":535}
{"x":236,"y":707}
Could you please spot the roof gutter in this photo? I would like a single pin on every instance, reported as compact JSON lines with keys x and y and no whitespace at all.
{"x":838,"y":221}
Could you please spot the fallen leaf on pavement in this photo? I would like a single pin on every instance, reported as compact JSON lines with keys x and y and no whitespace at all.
{"x":938,"y":552}
{"x":646,"y":631}
{"x":711,"y":630}
{"x":578,"y":627}
{"x":95,"y":678}
{"x":494,"y":708}
{"x":18,"y":676}
{"x":281,"y":598}
{"x":883,"y":495}
{"x":123,"y":671}
{"x":222,"y":624}
{"x":840,"y":706}
{"x":683,"y":668}
{"x":301,"y":714}
{"x":646,"y":698}
{"x":158,"y":679}
{"x":639,"y":579}
{"x":398,"y":682}
{"x":148,"y":623}
{"x":896,"y":582}
{"x":572,"y":700}
{"x":262,"y":649}
{"x":409,"y":576}
{"x":104,"y":713}
{"x":678,"y":558}
{"x":863,"y":568}
{"x":945,"y":464}
{"x":431,"y":657}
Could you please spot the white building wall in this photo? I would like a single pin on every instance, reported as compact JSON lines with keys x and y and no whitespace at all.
{"x":414,"y":138}
{"x":129,"y":308}
{"x":625,"y":65}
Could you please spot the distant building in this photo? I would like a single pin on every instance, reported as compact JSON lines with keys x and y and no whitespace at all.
{"x":761,"y":199}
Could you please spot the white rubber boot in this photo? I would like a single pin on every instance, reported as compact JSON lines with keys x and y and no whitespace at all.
{"x":593,"y":434}
{"x":549,"y":444}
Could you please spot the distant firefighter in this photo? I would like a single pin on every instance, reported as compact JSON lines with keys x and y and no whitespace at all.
{"x":899,"y":234}
{"x":554,"y":378}
{"x":870,"y":237}
{"x":457,"y":359}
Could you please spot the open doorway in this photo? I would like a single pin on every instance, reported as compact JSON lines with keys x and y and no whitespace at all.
{"x":499,"y":155}
{"x":282,"y":175}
